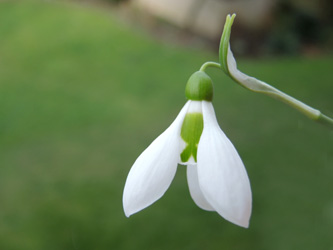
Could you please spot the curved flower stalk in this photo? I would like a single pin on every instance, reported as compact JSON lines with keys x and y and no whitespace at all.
{"x":216,"y":176}
{"x":229,"y":66}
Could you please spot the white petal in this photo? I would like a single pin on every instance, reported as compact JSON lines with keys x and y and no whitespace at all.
{"x":222,"y":176}
{"x":154,"y":170}
{"x":194,"y":107}
{"x":195,"y":191}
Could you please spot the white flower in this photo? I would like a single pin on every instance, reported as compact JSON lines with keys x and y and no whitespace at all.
{"x":216,"y":176}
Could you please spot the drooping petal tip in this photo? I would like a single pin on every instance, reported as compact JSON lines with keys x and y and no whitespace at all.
{"x":154,"y":170}
{"x":222,"y":176}
{"x":195,"y":190}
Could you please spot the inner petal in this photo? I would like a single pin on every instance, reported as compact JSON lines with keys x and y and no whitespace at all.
{"x":191,"y":132}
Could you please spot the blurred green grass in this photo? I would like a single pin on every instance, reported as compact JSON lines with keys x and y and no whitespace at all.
{"x":82,"y":94}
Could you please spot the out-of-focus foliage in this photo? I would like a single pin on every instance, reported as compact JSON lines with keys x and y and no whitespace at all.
{"x":295,"y":30}
{"x":115,"y":1}
{"x":290,"y":28}
{"x":82,"y":95}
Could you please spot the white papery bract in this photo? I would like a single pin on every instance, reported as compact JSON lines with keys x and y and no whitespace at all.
{"x":217,"y":178}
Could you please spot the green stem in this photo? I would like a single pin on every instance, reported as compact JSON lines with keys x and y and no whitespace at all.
{"x":210,"y":64}
{"x":229,"y":66}
{"x":325,"y":120}
{"x":258,"y":86}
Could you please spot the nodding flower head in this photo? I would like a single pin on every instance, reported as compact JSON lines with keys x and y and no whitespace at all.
{"x":216,"y":176}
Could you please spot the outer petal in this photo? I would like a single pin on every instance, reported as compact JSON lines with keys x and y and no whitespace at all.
{"x":154,"y":170}
{"x":222,"y":175}
{"x":195,"y":191}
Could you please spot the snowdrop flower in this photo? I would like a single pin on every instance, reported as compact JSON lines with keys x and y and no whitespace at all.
{"x":216,"y":176}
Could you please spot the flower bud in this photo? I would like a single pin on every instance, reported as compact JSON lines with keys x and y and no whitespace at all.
{"x":199,"y":87}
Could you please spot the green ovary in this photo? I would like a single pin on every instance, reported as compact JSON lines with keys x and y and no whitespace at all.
{"x":191,"y":131}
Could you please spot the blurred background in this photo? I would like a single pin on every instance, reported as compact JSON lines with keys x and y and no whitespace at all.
{"x":86,"y":86}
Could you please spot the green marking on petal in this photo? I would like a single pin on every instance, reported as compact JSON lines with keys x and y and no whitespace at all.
{"x":191,"y":132}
